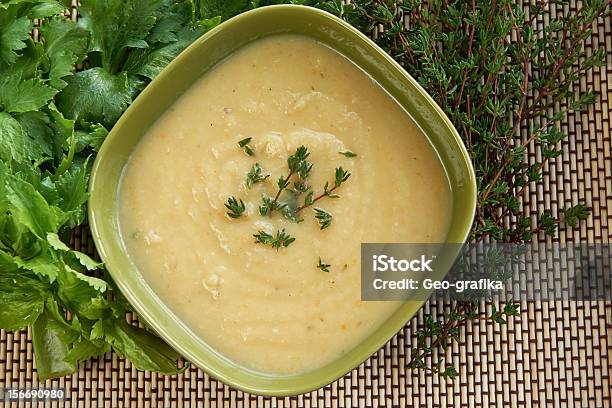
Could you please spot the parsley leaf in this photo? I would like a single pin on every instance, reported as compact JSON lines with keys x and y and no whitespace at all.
{"x":116,"y":26}
{"x":65,"y":46}
{"x":95,"y":96}
{"x":15,"y":145}
{"x":14,"y":31}
{"x":20,"y":96}
{"x":30,"y":208}
{"x":22,"y":299}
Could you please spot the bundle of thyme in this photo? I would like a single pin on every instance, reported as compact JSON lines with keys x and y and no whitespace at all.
{"x":506,"y":83}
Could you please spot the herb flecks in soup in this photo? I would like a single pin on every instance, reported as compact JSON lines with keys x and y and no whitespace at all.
{"x":200,"y":220}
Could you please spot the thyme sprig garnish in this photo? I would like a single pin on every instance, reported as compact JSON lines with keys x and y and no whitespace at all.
{"x":255,"y":175}
{"x":299,"y":167}
{"x":235,"y":206}
{"x":324,"y":218}
{"x":280,"y":240}
{"x":341,"y":176}
{"x":245,"y":144}
{"x":323,"y":266}
{"x":297,"y":164}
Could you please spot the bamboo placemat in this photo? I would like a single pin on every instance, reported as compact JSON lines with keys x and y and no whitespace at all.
{"x":555,"y":354}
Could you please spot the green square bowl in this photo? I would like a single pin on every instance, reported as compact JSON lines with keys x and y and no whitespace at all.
{"x":177,"y":77}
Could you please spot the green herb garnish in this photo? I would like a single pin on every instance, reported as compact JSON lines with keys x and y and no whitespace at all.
{"x":255,"y":175}
{"x":245,"y":145}
{"x":297,"y":164}
{"x":301,"y":186}
{"x":309,"y":199}
{"x":280,"y":240}
{"x":324,"y":218}
{"x":323,"y":266}
{"x":291,"y":215}
{"x":300,"y":166}
{"x":341,"y":176}
{"x":235,"y":206}
{"x":268,"y":205}
{"x":348,"y":154}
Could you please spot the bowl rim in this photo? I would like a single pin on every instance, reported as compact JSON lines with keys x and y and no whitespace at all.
{"x":227,"y":374}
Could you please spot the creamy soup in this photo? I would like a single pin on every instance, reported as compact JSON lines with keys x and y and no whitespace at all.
{"x":271,"y":310}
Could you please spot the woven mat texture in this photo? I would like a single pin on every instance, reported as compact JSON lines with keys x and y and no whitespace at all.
{"x":555,"y":354}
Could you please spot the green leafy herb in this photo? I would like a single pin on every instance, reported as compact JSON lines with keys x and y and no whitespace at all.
{"x":574,"y":214}
{"x":449,"y":373}
{"x":245,"y":144}
{"x":348,"y":154}
{"x":268,"y":204}
{"x":547,"y":223}
{"x":235,"y":206}
{"x":255,"y":175}
{"x":309,"y":199}
{"x":341,"y":176}
{"x":301,"y":186}
{"x":500,"y":316}
{"x":323,"y":266}
{"x":324,"y":218}
{"x":53,"y":119}
{"x":297,"y":164}
{"x":130,"y":42}
{"x":280,"y":240}
{"x":282,"y":183}
{"x":494,"y":59}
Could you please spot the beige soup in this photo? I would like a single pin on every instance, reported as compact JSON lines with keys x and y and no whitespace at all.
{"x":275,"y":311}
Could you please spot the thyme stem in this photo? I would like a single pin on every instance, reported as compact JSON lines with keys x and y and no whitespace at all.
{"x":280,"y":190}
{"x":317,"y":198}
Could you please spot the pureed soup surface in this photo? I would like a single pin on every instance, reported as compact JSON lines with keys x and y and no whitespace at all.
{"x":275,"y":311}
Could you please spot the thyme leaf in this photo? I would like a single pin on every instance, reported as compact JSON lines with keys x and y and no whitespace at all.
{"x":323,"y":266}
{"x":324,"y":218}
{"x":341,"y":176}
{"x":268,"y":204}
{"x":246,"y":146}
{"x":280,"y":240}
{"x":348,"y":154}
{"x":573,"y":215}
{"x":297,"y":164}
{"x":255,"y":175}
{"x":235,"y":206}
